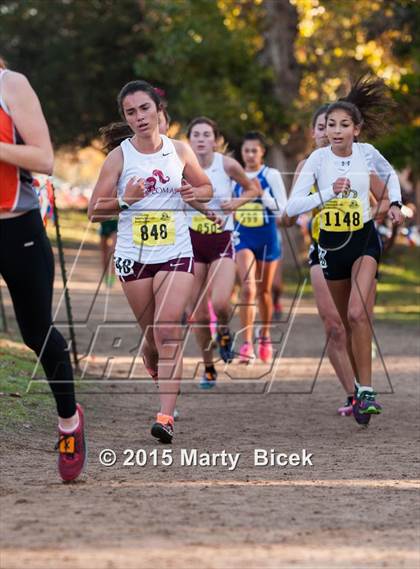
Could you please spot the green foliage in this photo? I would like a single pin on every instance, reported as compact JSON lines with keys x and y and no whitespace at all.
{"x":207,"y":68}
{"x":77,"y":54}
{"x":210,"y":56}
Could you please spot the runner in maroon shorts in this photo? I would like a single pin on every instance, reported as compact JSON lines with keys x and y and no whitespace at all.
{"x":147,"y":180}
{"x":212,"y":244}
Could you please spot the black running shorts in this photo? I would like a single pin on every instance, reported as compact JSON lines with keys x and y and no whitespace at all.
{"x":338,"y":251}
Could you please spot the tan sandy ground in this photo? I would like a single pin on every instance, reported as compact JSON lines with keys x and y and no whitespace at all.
{"x":357,"y":506}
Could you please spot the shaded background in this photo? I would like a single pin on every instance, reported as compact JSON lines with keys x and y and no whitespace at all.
{"x":249,"y":64}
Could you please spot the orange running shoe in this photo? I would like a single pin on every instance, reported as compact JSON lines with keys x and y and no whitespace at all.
{"x":163,"y":428}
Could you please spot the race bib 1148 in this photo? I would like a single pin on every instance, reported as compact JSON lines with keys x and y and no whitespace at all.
{"x":342,"y":214}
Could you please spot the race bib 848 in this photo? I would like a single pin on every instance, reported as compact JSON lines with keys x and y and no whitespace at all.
{"x":154,"y":228}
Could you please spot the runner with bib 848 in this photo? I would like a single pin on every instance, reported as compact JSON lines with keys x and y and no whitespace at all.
{"x":148,"y":179}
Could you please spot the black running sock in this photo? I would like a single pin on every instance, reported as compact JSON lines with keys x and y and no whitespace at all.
{"x":210,"y":369}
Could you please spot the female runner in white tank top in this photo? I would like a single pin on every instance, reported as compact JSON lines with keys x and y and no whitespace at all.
{"x":349,"y":247}
{"x":212,"y":244}
{"x":147,"y":180}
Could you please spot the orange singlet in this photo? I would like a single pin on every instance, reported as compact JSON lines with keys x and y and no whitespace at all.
{"x":17,"y":193}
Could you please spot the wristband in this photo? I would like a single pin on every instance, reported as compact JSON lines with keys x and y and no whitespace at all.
{"x":397,"y":204}
{"x":123,"y":205}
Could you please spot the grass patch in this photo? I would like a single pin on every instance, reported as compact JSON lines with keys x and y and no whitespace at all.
{"x":398,"y":287}
{"x":17,"y":404}
{"x":16,"y":368}
{"x":74,"y":228}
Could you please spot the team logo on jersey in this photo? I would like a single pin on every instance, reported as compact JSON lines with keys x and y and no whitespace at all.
{"x":151,"y":181}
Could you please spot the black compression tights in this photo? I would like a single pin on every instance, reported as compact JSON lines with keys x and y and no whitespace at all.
{"x":27,"y":267}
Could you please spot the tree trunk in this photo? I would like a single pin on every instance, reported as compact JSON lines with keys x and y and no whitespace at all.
{"x":280,"y":35}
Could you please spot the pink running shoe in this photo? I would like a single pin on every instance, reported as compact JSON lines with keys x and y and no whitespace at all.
{"x":347,"y":409}
{"x":73,"y":450}
{"x":246,"y":354}
{"x":265,"y":348}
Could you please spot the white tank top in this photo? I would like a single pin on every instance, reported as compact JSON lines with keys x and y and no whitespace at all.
{"x":154,"y":229}
{"x":222,"y":191}
{"x":353,"y":167}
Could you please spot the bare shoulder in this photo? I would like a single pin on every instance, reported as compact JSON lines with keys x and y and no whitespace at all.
{"x":13,"y":80}
{"x":230,"y":164}
{"x":182,"y":148}
{"x":114,"y":160}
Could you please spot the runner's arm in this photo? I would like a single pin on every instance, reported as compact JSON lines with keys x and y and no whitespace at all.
{"x":301,"y":200}
{"x":276,"y":204}
{"x":36,"y":154}
{"x":251,"y":188}
{"x":380,"y":165}
{"x":103,"y":203}
{"x":201,"y":190}
{"x":287,"y":221}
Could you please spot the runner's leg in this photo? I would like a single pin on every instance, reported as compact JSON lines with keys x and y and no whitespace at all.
{"x":340,"y":291}
{"x":142,"y":302}
{"x":360,"y":312}
{"x":172,"y":291}
{"x":334,"y":330}
{"x":264,"y":277}
{"x":200,"y":314}
{"x":246,"y":263}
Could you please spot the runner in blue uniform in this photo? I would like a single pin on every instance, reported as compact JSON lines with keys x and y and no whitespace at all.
{"x":258,"y":246}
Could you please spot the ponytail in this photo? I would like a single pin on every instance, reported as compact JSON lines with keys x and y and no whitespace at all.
{"x":113,"y":134}
{"x":368,"y":103}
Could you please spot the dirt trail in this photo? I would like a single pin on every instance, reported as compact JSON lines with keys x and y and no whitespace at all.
{"x":357,"y":506}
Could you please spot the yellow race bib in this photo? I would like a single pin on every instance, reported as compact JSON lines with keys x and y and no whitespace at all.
{"x":342,"y":214}
{"x":204,"y":225}
{"x":154,"y":228}
{"x":250,"y":214}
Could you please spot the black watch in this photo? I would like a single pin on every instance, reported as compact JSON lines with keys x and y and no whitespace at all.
{"x":397,"y":204}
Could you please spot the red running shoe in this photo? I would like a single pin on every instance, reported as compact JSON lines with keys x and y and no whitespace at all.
{"x":72,"y":450}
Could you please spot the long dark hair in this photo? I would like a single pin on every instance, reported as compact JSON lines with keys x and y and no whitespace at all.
{"x":368,"y":104}
{"x":114,"y":133}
